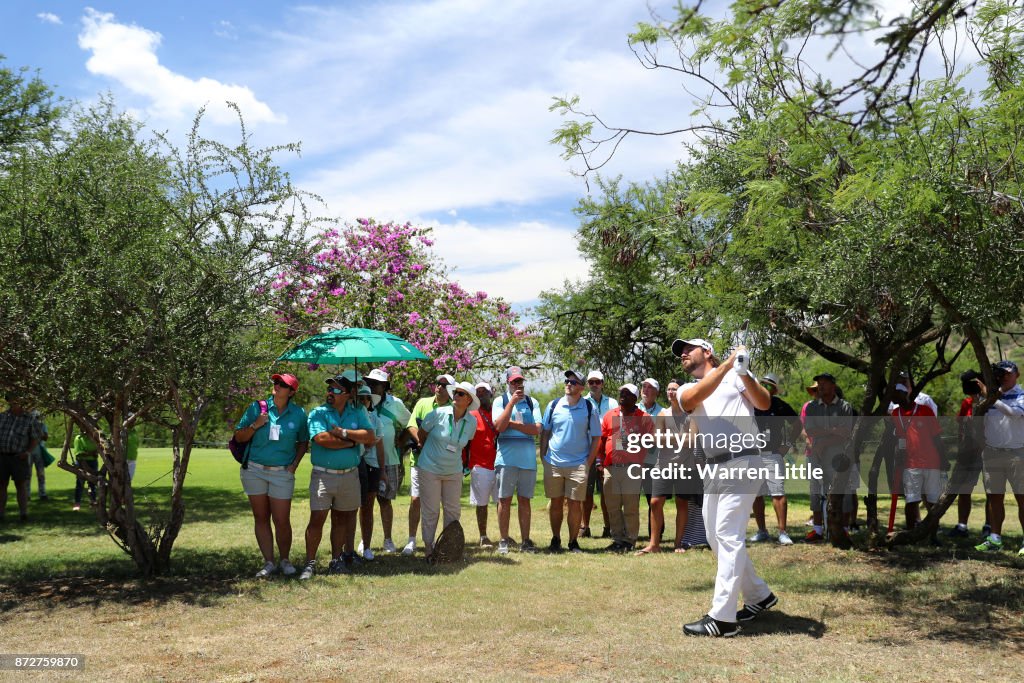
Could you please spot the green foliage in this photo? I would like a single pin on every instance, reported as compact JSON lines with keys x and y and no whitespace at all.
{"x":131,"y":293}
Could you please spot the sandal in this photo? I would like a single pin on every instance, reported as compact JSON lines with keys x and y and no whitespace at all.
{"x":647,"y":551}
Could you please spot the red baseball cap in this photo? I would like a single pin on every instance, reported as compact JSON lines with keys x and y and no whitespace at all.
{"x":290,"y":380}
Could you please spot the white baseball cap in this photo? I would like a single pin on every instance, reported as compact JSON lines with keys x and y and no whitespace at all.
{"x":378,"y":375}
{"x":595,"y":374}
{"x":679,"y":345}
{"x":449,"y":380}
{"x":631,"y":388}
{"x":485,"y":385}
{"x":653,"y":382}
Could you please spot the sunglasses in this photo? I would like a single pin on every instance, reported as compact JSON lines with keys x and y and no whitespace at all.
{"x":335,"y":390}
{"x":574,"y":382}
{"x":595,"y":381}
{"x":462,"y":393}
{"x":279,"y":383}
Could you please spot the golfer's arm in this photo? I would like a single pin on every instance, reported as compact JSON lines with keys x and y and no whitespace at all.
{"x":756,"y":394}
{"x":694,"y":394}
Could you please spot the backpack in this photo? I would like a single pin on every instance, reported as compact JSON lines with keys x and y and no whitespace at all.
{"x":529,"y":401}
{"x":240,"y":451}
{"x":554,"y":404}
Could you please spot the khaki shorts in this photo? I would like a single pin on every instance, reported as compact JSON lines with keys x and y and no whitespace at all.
{"x":1001,"y":465}
{"x":334,"y":491}
{"x":565,"y":482}
{"x":277,"y":483}
{"x":483,"y":486}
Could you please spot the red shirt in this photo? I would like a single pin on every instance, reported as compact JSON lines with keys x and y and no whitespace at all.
{"x":919,"y":426}
{"x":637,"y":423}
{"x":483,"y":446}
{"x":966,"y":407}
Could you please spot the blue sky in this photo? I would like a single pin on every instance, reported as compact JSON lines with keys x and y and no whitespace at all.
{"x":431,"y":111}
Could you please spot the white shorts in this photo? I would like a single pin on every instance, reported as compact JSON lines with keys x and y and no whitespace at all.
{"x":483,"y":486}
{"x":917,"y":481}
{"x":414,"y":482}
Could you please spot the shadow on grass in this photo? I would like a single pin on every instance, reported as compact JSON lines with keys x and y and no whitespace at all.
{"x":976,"y":605}
{"x":775,"y":622}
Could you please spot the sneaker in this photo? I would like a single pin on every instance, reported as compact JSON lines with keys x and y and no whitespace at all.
{"x":44,"y":498}
{"x":287,"y":568}
{"x":409,"y":548}
{"x":813,"y":537}
{"x":308,"y":571}
{"x":986,"y":529}
{"x":956,"y":532}
{"x":760,"y":537}
{"x":574,"y":547}
{"x":503,"y":546}
{"x":556,"y":545}
{"x":989,"y":544}
{"x":366,"y":552}
{"x":352,"y":560}
{"x":707,"y":626}
{"x":486,"y":543}
{"x":269,"y":569}
{"x":748,"y":612}
{"x":616,"y":547}
{"x":784,"y":538}
{"x":585,"y":532}
{"x":1020,"y":553}
{"x":76,"y":507}
{"x":607,"y":533}
{"x":389,"y":546}
{"x":337,"y":566}
{"x":527,"y":546}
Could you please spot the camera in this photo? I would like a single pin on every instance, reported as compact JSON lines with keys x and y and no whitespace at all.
{"x":967,"y":383}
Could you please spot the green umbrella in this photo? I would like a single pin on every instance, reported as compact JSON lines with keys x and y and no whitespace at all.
{"x":353,"y":345}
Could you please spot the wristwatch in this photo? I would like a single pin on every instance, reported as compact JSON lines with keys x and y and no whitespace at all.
{"x":344,"y":433}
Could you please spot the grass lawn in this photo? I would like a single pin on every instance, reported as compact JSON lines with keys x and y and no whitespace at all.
{"x":917,"y":614}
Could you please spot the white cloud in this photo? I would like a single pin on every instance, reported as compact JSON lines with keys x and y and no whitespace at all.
{"x":515,"y":261}
{"x":127,"y":54}
{"x":49,"y":18}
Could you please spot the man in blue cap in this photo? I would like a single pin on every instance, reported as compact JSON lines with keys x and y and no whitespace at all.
{"x":1003,"y":457}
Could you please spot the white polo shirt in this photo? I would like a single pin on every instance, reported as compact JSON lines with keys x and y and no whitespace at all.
{"x":1004,"y":422}
{"x":725,"y":417}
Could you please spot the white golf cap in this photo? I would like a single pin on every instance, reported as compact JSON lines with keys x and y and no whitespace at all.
{"x":680,"y":345}
{"x":653,"y":382}
{"x":449,"y":380}
{"x":484,"y":385}
{"x":631,"y":388}
{"x":378,"y":375}
{"x":469,"y":389}
{"x":595,"y":374}
{"x":351,"y":376}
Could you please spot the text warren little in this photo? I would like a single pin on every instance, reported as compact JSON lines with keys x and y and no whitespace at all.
{"x":724,"y":471}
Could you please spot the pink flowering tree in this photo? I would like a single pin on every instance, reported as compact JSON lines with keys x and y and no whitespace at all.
{"x":384,"y":276}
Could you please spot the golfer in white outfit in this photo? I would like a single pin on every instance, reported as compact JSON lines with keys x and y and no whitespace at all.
{"x":721,"y":401}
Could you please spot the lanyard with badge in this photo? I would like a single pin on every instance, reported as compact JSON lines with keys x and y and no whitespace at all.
{"x":452,"y":446}
{"x":275,"y":428}
{"x":902,"y":443}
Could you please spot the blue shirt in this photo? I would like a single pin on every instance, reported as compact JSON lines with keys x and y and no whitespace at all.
{"x":294,"y":430}
{"x":516,"y":449}
{"x":653,"y":411}
{"x":607,"y":403}
{"x":570,"y":441}
{"x":442,"y":451}
{"x":325,"y":418}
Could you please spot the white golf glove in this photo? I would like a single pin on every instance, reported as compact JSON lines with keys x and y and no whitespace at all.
{"x":742,"y":362}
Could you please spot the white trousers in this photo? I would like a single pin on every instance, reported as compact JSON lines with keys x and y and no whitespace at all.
{"x":727,"y":505}
{"x":437,"y":490}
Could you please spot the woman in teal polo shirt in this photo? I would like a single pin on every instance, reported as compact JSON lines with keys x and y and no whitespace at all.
{"x":279,"y":436}
{"x":444,"y":433}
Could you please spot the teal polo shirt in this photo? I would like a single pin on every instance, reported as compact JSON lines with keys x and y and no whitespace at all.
{"x":294,"y":430}
{"x":606,"y":404}
{"x":443,"y":431}
{"x":324,"y":419}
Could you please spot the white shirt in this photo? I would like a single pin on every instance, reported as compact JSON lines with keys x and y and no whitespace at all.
{"x":725,"y":419}
{"x":1004,"y":422}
